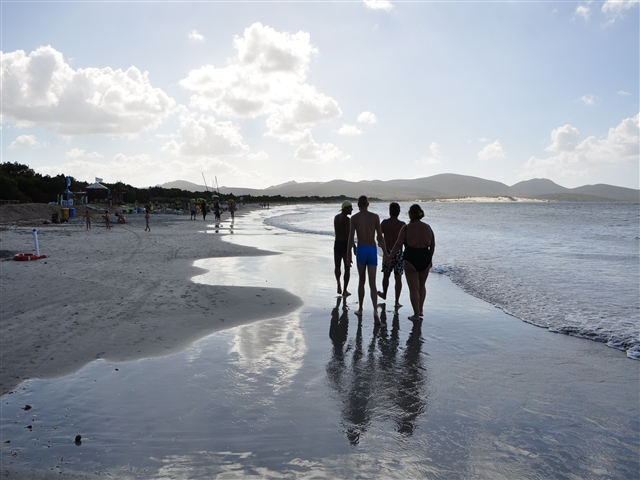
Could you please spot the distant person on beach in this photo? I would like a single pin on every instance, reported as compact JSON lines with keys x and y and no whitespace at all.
{"x":366,"y":225}
{"x":193,"y":211}
{"x":87,"y":218}
{"x":203,"y":209}
{"x":419,"y":244}
{"x":121,"y":217}
{"x":147,"y":217}
{"x":232,"y":208}
{"x":341,"y":226}
{"x":390,"y":229}
{"x":216,"y":211}
{"x":107,"y":219}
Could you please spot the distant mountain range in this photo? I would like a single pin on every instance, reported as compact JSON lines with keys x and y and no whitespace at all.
{"x":447,"y":185}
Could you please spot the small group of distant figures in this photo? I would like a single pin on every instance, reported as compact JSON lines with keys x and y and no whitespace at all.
{"x":120,"y":218}
{"x":407,"y":249}
{"x":203,"y":209}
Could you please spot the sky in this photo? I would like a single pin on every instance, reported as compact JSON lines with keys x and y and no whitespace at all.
{"x":257,"y":93}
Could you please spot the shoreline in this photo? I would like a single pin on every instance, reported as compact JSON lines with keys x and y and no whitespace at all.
{"x":120,"y":295}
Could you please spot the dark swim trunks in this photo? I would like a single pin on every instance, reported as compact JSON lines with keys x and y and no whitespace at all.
{"x":397,"y":263}
{"x":340,"y":247}
{"x":367,"y":255}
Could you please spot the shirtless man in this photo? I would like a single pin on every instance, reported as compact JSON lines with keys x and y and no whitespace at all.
{"x":341,"y":225}
{"x":367,"y":226}
{"x":390,"y":229}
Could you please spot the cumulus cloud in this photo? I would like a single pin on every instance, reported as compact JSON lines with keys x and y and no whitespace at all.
{"x":143,"y":170}
{"x":312,"y":152}
{"x":204,"y":136}
{"x":194,"y":35}
{"x":435,"y":156}
{"x":385,"y":5}
{"x":25,"y":141}
{"x":588,"y":99}
{"x":583,"y":11}
{"x":491,"y":151}
{"x":367,"y":117}
{"x":78,"y":153}
{"x":616,"y":9}
{"x":618,"y":147}
{"x":267,"y":77}
{"x":350,"y":130}
{"x":258,"y":156}
{"x":41,"y":89}
{"x":624,"y":93}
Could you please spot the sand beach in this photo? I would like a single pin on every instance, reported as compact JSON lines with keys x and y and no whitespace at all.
{"x":193,"y":352}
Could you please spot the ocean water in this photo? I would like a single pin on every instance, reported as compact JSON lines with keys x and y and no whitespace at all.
{"x":573,"y":268}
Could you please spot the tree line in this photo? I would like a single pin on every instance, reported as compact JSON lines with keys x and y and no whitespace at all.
{"x":20,"y":182}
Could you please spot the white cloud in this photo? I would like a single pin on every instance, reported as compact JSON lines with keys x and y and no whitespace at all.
{"x":583,"y":11}
{"x":77,"y":153}
{"x":312,"y":152}
{"x":143,"y":171}
{"x":350,"y":130}
{"x":194,"y":35}
{"x":25,"y":141}
{"x":267,"y":77}
{"x":588,"y":99}
{"x":42,"y":89}
{"x":492,"y":150}
{"x":435,"y":156}
{"x":258,"y":156}
{"x":385,"y":5}
{"x":615,"y":9}
{"x":624,"y":93}
{"x":620,"y":146}
{"x":367,"y":117}
{"x":483,"y":139}
{"x":564,"y":139}
{"x":203,"y":136}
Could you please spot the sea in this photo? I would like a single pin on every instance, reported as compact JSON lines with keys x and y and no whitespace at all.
{"x":572,"y":268}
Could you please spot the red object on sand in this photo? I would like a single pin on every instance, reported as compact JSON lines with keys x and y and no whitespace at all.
{"x":26,"y":257}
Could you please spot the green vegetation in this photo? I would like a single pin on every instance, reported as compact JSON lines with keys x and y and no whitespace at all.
{"x":19,"y":182}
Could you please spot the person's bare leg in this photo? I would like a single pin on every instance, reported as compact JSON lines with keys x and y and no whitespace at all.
{"x":347,"y":277}
{"x":337,"y":258}
{"x":385,"y":285}
{"x":371,"y":270}
{"x":398,"y":279}
{"x":362,"y":271}
{"x":423,"y":289}
{"x":414,"y":289}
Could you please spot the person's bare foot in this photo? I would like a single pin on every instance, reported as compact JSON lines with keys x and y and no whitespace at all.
{"x":346,"y":294}
{"x":382,"y":295}
{"x":398,"y":305}
{"x":339,"y":289}
{"x":414,"y":318}
{"x":358,"y":313}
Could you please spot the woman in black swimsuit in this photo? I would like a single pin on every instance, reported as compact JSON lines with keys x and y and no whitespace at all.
{"x":419,"y":244}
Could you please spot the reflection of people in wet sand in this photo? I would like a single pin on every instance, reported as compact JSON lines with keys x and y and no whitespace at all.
{"x":341,"y":225}
{"x":383,"y":382}
{"x":419,"y":244}
{"x":367,"y":226}
{"x":390,"y":229}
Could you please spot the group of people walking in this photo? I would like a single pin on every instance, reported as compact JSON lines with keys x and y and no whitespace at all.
{"x":408,"y":249}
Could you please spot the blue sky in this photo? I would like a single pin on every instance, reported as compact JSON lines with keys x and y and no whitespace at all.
{"x":261,"y":93}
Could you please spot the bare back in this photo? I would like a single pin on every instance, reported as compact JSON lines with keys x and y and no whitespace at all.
{"x":420,"y":235}
{"x":390,"y":229}
{"x":366,"y":224}
{"x":341,"y":225}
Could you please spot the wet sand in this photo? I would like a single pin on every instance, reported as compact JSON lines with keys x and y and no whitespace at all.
{"x":120,"y":294}
{"x":469,"y":393}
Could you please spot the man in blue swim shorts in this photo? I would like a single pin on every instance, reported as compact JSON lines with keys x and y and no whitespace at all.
{"x":366,"y":225}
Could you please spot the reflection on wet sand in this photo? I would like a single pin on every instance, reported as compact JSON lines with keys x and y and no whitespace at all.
{"x":387,"y":382}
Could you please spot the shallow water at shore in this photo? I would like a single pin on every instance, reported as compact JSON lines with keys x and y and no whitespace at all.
{"x":468,"y":393}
